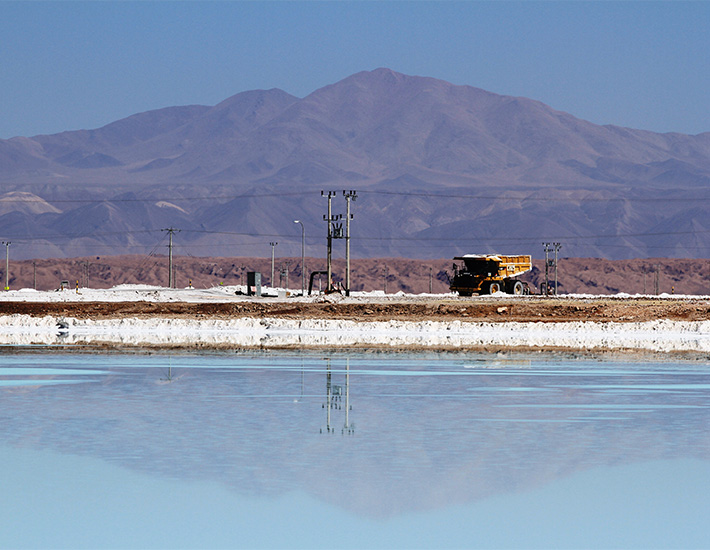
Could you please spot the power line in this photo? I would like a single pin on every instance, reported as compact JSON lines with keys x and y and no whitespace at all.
{"x":496,"y":198}
{"x":500,"y":198}
{"x":158,"y":199}
{"x":568,"y":238}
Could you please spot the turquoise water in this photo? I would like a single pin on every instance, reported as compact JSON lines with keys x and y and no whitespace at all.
{"x":353,"y":450}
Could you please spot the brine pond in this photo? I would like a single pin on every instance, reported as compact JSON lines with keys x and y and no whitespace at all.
{"x":353,"y":450}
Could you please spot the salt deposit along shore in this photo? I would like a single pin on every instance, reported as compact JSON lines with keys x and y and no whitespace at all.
{"x":244,"y":333}
{"x":222,"y":318}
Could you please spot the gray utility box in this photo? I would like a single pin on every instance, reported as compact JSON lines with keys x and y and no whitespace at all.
{"x":253,"y":283}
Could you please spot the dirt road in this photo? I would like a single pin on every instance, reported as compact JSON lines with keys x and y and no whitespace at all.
{"x":446,"y":309}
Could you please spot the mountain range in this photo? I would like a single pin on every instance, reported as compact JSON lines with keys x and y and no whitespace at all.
{"x":439,"y":170}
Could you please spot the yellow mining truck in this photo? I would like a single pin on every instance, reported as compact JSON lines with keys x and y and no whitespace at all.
{"x":490,"y":274}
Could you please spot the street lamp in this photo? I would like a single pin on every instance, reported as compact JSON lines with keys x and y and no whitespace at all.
{"x":303,"y":257}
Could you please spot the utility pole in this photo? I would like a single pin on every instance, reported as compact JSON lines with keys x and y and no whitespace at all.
{"x":430,"y":281}
{"x":658,"y":274}
{"x":273,"y":246}
{"x":34,"y":273}
{"x":547,"y":267}
{"x":171,"y":277}
{"x":303,"y":257}
{"x":86,"y":272}
{"x":348,"y":216}
{"x":330,"y":219}
{"x":7,"y":264}
{"x":557,"y":248}
{"x":386,"y":275}
{"x":548,"y":248}
{"x":283,"y":274}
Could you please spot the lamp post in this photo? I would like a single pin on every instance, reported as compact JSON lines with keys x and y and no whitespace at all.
{"x":303,"y":257}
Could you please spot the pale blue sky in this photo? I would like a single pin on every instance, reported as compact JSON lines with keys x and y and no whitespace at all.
{"x":72,"y":65}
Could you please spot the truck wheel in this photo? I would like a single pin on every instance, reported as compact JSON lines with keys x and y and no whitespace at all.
{"x":518,"y":288}
{"x":494,"y":288}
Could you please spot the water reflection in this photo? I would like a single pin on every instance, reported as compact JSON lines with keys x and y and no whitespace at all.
{"x":434,"y":431}
{"x":334,"y":400}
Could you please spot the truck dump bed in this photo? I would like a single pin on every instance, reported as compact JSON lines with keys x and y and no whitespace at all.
{"x":490,"y":273}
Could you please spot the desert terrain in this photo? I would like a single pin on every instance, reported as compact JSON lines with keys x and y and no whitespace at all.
{"x":587,"y":289}
{"x":212,"y":310}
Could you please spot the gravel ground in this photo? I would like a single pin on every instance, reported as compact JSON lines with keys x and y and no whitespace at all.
{"x":381,"y":308}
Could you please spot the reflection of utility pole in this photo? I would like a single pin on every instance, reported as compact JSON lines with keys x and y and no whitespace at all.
{"x":348,"y":216}
{"x":347,"y":427}
{"x":171,"y":275}
{"x":273,"y":246}
{"x":328,"y":397}
{"x":334,"y":400}
{"x":170,"y":370}
{"x":303,"y":377}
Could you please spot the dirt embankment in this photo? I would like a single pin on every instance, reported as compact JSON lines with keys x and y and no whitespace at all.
{"x":472,"y":309}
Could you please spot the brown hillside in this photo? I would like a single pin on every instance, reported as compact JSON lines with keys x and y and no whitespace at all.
{"x":575,"y":275}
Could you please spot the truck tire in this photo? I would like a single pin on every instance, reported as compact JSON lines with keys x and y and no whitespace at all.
{"x":494,"y":288}
{"x":518,"y":288}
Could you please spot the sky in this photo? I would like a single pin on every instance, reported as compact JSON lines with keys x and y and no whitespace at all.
{"x":79,"y":65}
